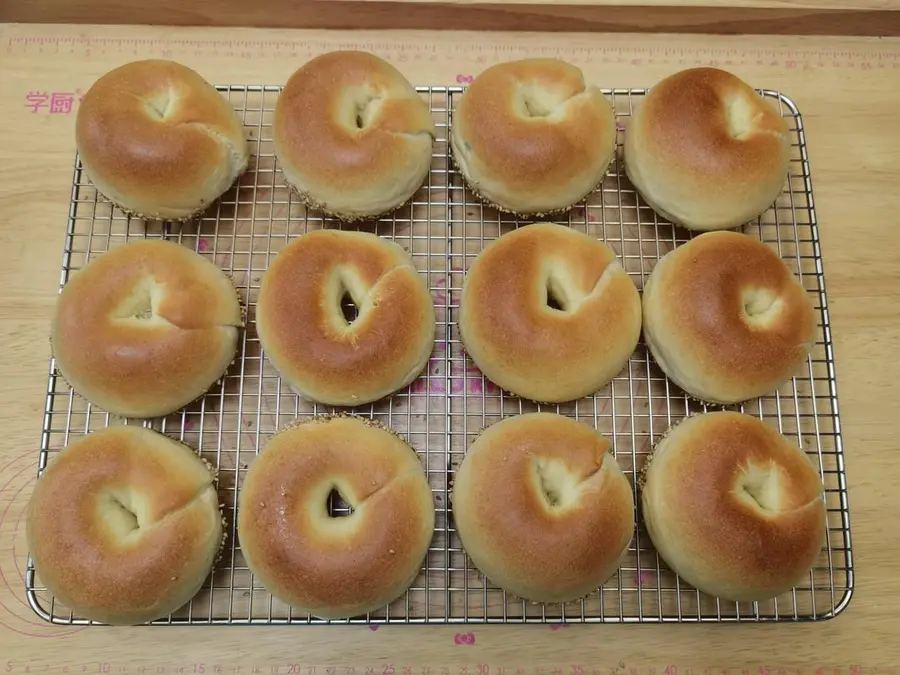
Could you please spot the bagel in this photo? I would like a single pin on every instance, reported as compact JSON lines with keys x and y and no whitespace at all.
{"x":732,"y":507}
{"x":542,"y":508}
{"x":158,"y":141}
{"x":548,"y":314}
{"x":327,"y":566}
{"x":705,"y":151}
{"x":530,"y":137}
{"x":320,"y":353}
{"x":353,"y":137}
{"x":145,"y":328}
{"x":725,"y":319}
{"x":124,"y":526}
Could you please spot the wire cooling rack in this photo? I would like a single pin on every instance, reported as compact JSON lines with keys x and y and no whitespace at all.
{"x":444,"y":228}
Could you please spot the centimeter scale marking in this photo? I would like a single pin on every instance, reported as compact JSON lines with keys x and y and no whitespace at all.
{"x":465,"y":54}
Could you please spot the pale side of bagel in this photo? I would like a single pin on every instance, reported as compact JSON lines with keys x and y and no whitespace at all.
{"x":146,"y":328}
{"x":542,"y":508}
{"x":124,"y":525}
{"x":526,"y":346}
{"x":531,"y":137}
{"x":733,"y":507}
{"x":336,"y":567}
{"x":352,"y":135}
{"x":159,"y":141}
{"x":725,"y":319}
{"x":306,"y":336}
{"x":706,"y":151}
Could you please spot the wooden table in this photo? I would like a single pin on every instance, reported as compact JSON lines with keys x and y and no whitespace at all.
{"x":766,"y":17}
{"x":848,"y":92}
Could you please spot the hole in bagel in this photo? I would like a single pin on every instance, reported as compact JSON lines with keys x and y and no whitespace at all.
{"x":121,"y":514}
{"x":557,"y":296}
{"x":160,"y":104}
{"x":762,"y":487}
{"x":534,"y":108}
{"x":759,"y":303}
{"x":555,"y":482}
{"x":365,"y":111}
{"x":337,"y":506}
{"x":144,"y":313}
{"x":139,"y":304}
{"x":349,"y":308}
{"x":538,"y":101}
{"x":129,"y":515}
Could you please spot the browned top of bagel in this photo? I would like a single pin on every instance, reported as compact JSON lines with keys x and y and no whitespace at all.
{"x":706,"y":150}
{"x":726,"y":319}
{"x":542,"y":507}
{"x":159,"y":140}
{"x":531,"y":136}
{"x":305,"y":333}
{"x":532,"y":349}
{"x":336,"y":566}
{"x":734,"y":507}
{"x":124,"y":525}
{"x":145,"y":328}
{"x":352,"y":134}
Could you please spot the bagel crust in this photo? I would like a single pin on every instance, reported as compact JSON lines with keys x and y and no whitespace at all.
{"x":158,"y":141}
{"x":706,"y":151}
{"x":733,"y":507}
{"x":542,"y":508}
{"x":124,"y":525}
{"x":725,"y":319}
{"x":352,"y":135}
{"x":530,"y":137}
{"x":306,"y":336}
{"x":336,"y":567}
{"x":526,"y":346}
{"x":146,"y":328}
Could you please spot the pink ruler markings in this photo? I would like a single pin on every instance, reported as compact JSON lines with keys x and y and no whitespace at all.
{"x":468,"y":58}
{"x":480,"y":53}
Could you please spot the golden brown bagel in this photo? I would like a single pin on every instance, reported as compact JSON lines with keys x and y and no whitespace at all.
{"x":352,"y":135}
{"x":706,"y":151}
{"x":725,"y":319}
{"x":306,"y":336}
{"x":531,"y":137}
{"x":327,"y":566}
{"x":520,"y":341}
{"x":159,"y":141}
{"x":145,"y":328}
{"x":542,"y":508}
{"x":733,"y":507}
{"x":124,"y":525}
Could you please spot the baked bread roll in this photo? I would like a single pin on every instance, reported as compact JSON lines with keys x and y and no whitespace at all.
{"x":124,"y":525}
{"x":530,"y":137}
{"x":146,"y":328}
{"x":352,"y":135}
{"x":158,"y":141}
{"x":328,"y":566}
{"x":725,"y":319}
{"x":542,"y":508}
{"x":705,"y":151}
{"x":320,"y":352}
{"x":732,"y":507}
{"x":548,"y":313}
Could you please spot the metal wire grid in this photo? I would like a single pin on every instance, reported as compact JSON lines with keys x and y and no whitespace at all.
{"x":444,"y":228}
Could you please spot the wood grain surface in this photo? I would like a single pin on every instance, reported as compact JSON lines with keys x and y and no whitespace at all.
{"x":768,"y":17}
{"x":847,"y":91}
